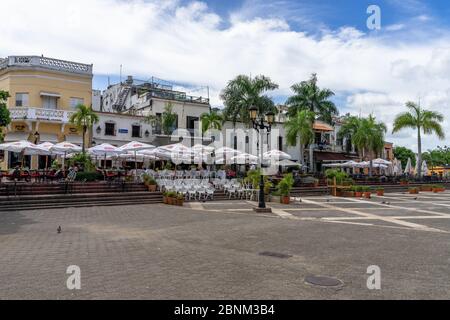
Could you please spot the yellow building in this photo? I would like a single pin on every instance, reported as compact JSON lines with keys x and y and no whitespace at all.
{"x":44,"y":93}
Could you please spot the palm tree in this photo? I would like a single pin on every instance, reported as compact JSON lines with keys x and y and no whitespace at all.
{"x":167,"y":120}
{"x":366,"y":134}
{"x":300,"y":127}
{"x":211,"y":120}
{"x":422,"y":120}
{"x":84,"y":118}
{"x":243,"y":92}
{"x":307,"y":95}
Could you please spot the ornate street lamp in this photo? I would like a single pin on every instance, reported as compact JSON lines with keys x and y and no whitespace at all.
{"x":259,"y":124}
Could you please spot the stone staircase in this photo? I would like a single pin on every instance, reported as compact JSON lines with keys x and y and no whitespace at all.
{"x":59,"y":195}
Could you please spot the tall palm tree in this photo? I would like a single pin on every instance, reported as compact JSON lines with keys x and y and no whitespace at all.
{"x":242,"y":93}
{"x":84,"y":118}
{"x":211,"y":120}
{"x":366,"y":134}
{"x":307,"y":95}
{"x":300,"y":127}
{"x":422,"y":120}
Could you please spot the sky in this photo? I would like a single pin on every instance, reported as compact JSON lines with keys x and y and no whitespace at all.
{"x":199,"y":44}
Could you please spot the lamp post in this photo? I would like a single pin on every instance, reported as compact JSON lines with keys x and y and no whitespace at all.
{"x":259,"y":124}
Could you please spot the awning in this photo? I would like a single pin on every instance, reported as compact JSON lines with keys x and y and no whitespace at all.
{"x":50,"y":94}
{"x":332,"y":156}
{"x":16,"y":136}
{"x":320,"y":126}
{"x":75,"y":139}
{"x":48,"y":137}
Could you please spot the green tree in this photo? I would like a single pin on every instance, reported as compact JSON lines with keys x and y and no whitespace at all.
{"x":242,"y":93}
{"x":211,"y":120}
{"x":300,"y":128}
{"x":167,"y":121}
{"x":424,"y":121}
{"x":5,"y":118}
{"x":403,"y":154}
{"x":366,"y":134}
{"x":84,"y":118}
{"x":307,"y":95}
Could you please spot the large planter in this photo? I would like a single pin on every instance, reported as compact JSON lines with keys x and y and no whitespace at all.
{"x":171,"y":200}
{"x":414,"y":191}
{"x":165,"y":200}
{"x":285,"y":199}
{"x":367,"y":195}
{"x":276,"y":199}
{"x":437,"y":190}
{"x":180,"y":202}
{"x":426,"y":188}
{"x":348,"y":194}
{"x":380,"y":193}
{"x":151,"y":187}
{"x":358,"y":194}
{"x":404,"y":183}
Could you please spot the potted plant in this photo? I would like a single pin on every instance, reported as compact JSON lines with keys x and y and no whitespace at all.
{"x":165,"y":200}
{"x":438,"y":188}
{"x":413,"y":190}
{"x":316,"y":183}
{"x":150,"y":182}
{"x":275,"y":196}
{"x":367,"y":192}
{"x":180,"y":200}
{"x":358,"y":191}
{"x":404,"y":181}
{"x":380,"y":191}
{"x":428,"y":188}
{"x":285,"y":187}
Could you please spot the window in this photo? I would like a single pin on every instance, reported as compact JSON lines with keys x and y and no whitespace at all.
{"x":136,"y":131}
{"x":49,"y":102}
{"x":22,"y":100}
{"x":280,"y":143}
{"x":157,"y":125}
{"x":76,"y":101}
{"x":110,"y":129}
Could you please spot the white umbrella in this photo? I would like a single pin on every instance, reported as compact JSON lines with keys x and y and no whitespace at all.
{"x":245,"y":158}
{"x":381,"y":161}
{"x":276,"y":155}
{"x":24,"y":147}
{"x":400,"y":167}
{"x":177,"y":153}
{"x":47,"y":146}
{"x":64,"y":148}
{"x":135,"y":146}
{"x":201,"y":148}
{"x":105,"y":149}
{"x":288,"y":163}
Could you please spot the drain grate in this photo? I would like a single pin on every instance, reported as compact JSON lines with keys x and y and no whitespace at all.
{"x":275,"y":255}
{"x":323,"y":281}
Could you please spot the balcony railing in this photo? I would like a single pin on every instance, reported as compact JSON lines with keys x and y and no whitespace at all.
{"x":48,"y":63}
{"x":24,"y":113}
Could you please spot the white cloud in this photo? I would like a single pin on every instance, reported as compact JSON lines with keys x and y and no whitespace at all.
{"x":190,"y":44}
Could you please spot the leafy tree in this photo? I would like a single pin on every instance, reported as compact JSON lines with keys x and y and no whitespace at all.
{"x":211,"y":120}
{"x":5,"y":119}
{"x":424,"y":121}
{"x":437,"y":157}
{"x":167,"y":121}
{"x":84,"y":118}
{"x":300,"y":127}
{"x":403,"y":154}
{"x":307,"y":95}
{"x":242,"y":93}
{"x":366,"y":134}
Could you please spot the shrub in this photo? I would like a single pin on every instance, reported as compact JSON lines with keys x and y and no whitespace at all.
{"x":285,"y":185}
{"x":438,"y":186}
{"x":89,"y":176}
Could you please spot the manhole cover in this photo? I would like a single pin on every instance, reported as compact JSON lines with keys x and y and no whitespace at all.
{"x":275,"y":255}
{"x":323,"y":281}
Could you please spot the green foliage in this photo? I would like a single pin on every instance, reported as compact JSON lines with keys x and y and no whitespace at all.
{"x":89,"y":176}
{"x":308,"y":96}
{"x":243,"y":92}
{"x":342,"y":178}
{"x":211,"y":120}
{"x":437,"y":157}
{"x":167,"y":121}
{"x":285,"y":185}
{"x":5,"y":118}
{"x":149,"y":180}
{"x":300,"y":125}
{"x":84,"y":118}
{"x":402,"y":154}
{"x":83,"y":159}
{"x":254,"y":176}
{"x":365,"y":133}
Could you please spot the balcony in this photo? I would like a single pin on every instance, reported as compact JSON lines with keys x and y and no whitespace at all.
{"x":46,"y":63}
{"x":24,"y":113}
